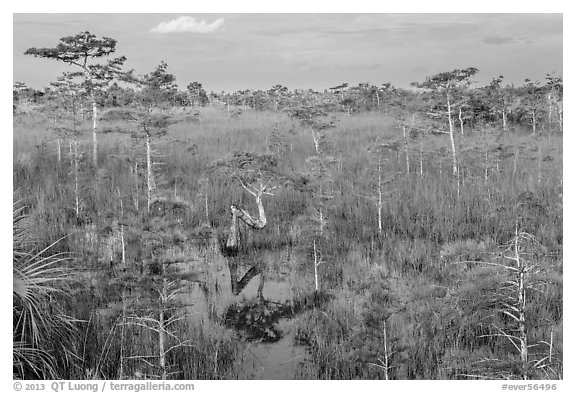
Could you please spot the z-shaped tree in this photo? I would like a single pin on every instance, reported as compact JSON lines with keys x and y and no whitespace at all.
{"x":258,"y":174}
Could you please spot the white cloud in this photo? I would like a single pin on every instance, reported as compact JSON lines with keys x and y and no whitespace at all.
{"x":187,"y":24}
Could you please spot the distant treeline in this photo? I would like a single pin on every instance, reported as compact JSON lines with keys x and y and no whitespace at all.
{"x":532,"y":102}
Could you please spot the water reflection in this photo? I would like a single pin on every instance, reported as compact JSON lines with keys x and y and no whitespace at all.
{"x":256,"y":318}
{"x":244,"y":293}
{"x":265,"y":322}
{"x":239,"y":285}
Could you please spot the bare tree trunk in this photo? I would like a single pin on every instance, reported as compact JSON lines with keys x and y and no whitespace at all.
{"x":550,"y":112}
{"x":136,"y":188}
{"x":379,"y":194}
{"x":94,"y":141}
{"x":504,"y":125}
{"x":533,"y":122}
{"x":486,"y":169}
{"x":149,"y":174}
{"x":316,"y":138}
{"x":316,"y":262}
{"x":386,"y":367}
{"x":121,"y":372}
{"x":252,"y":222}
{"x":123,"y":244}
{"x":521,"y":307}
{"x":162,"y":327}
{"x":76,"y":188}
{"x":216,"y":362}
{"x":560,"y":115}
{"x":122,"y":230}
{"x":59,"y":150}
{"x":206,"y":207}
{"x":452,"y":141}
{"x":461,"y":121}
{"x":551,"y":344}
{"x":233,"y":235}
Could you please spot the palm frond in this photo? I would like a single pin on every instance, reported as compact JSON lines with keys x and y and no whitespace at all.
{"x":40,"y":328}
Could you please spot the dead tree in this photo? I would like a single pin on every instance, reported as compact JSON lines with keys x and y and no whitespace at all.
{"x":258,"y":175}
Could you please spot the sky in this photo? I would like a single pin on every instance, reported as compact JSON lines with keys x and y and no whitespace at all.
{"x":256,"y":51}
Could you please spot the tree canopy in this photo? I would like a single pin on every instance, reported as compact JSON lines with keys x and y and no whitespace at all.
{"x":77,"y":49}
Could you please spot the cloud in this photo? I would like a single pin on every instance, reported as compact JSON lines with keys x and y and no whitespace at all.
{"x":496,"y":40}
{"x":187,"y":24}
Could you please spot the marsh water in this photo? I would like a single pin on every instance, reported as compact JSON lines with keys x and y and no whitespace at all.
{"x":259,"y":297}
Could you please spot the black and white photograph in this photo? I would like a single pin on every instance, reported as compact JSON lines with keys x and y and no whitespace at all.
{"x":302,"y":195}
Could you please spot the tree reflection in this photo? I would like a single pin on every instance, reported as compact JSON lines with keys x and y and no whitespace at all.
{"x":256,"y":319}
